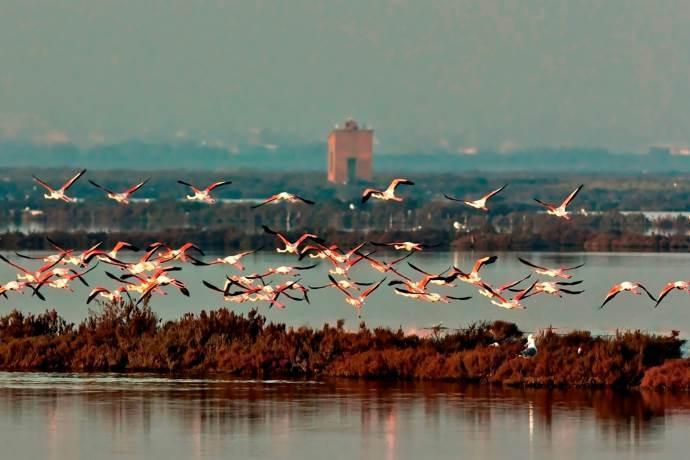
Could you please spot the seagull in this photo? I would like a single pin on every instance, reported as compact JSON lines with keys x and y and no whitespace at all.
{"x":123,"y":197}
{"x":60,"y":194}
{"x":559,"y":211}
{"x":530,"y":349}
{"x":386,"y":195}
{"x":680,"y":285}
{"x":290,"y":248}
{"x":630,"y":286}
{"x":480,"y":203}
{"x":204,"y":195}
{"x":283,"y":196}
{"x":552,"y":272}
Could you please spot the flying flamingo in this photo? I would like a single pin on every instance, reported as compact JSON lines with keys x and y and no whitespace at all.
{"x":630,"y":286}
{"x":680,"y":285}
{"x":356,"y":302}
{"x":501,"y":288}
{"x":385,"y":195}
{"x":331,"y":252}
{"x":235,"y":298}
{"x":159,"y":279}
{"x":385,"y":267}
{"x":552,"y":272}
{"x":418,"y":287}
{"x":408,"y":246}
{"x":480,"y":203}
{"x":439,"y":279}
{"x":60,"y":194}
{"x":179,"y":254}
{"x":431,"y":297}
{"x":473,"y":276}
{"x":283,"y":270}
{"x":343,"y":268}
{"x":268,"y":293}
{"x":553,"y":288}
{"x":63,"y":280}
{"x":559,"y":211}
{"x":345,"y":284}
{"x":204,"y":196}
{"x":290,"y":248}
{"x":108,"y":294}
{"x":122,"y":197}
{"x":18,"y":286}
{"x":29,"y":276}
{"x":500,"y":301}
{"x":283,"y":196}
{"x":233,"y":260}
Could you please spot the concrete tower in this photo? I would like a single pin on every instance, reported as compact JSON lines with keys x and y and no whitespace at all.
{"x":350,"y":150}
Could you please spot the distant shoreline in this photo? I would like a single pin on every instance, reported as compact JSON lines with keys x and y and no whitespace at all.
{"x":224,"y":240}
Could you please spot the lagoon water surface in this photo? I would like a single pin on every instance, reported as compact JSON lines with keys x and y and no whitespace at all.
{"x":101,"y":417}
{"x":384,"y":308}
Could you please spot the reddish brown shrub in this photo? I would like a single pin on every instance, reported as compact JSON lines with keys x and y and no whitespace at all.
{"x":671,"y":375}
{"x":123,"y":337}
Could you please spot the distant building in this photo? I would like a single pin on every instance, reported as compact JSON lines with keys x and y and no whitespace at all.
{"x":350,"y":152}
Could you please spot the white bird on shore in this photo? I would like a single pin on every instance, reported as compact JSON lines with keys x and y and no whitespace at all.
{"x":530,"y":349}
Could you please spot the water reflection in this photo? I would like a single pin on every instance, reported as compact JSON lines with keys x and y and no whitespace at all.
{"x":105,"y":417}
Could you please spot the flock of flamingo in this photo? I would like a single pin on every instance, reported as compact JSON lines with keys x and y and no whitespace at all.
{"x":153,"y":271}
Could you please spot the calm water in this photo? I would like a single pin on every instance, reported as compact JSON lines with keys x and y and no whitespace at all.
{"x":108,"y":417}
{"x":385,"y":308}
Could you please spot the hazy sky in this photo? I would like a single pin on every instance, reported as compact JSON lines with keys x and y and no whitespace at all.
{"x":613,"y":73}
